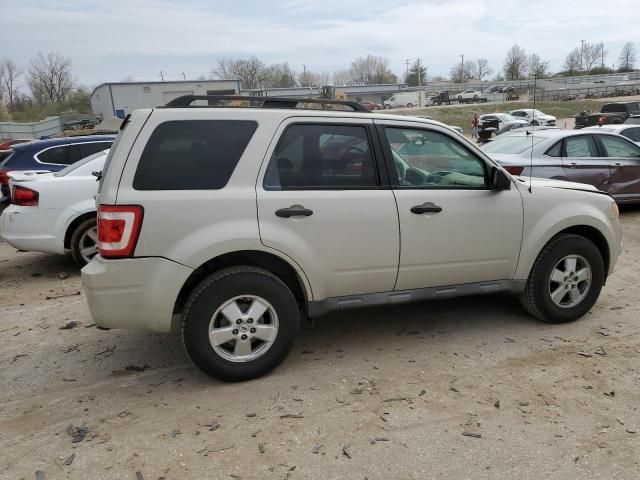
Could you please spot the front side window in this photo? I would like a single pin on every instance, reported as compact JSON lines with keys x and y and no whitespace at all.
{"x":322,"y":156}
{"x":617,"y":147}
{"x":581,"y":146}
{"x":426,"y":159}
{"x":192,"y":154}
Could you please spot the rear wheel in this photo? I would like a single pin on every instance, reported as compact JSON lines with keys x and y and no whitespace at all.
{"x":409,"y":105}
{"x":240,"y":323}
{"x":84,"y":242}
{"x":565,"y":280}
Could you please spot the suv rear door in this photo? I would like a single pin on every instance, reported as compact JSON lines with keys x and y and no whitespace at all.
{"x":324,"y":202}
{"x":623,"y":157}
{"x":454,"y":229}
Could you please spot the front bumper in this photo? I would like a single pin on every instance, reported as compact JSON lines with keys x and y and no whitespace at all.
{"x":133,"y":293}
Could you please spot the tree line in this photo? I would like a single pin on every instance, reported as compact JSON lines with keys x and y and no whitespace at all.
{"x":50,"y":88}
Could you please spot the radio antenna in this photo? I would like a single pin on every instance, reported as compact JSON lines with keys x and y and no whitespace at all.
{"x":533,"y":129}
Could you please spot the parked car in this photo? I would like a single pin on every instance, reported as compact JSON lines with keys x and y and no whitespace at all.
{"x":54,"y":212}
{"x":469,"y":96}
{"x":632,"y":132}
{"x":611,"y":113}
{"x":230,"y":249}
{"x":49,"y":156}
{"x":407,"y":99}
{"x":7,"y":147}
{"x":371,"y":106}
{"x":632,"y":120}
{"x":605,"y":160}
{"x":534,"y":117}
{"x":455,"y":128}
{"x":504,"y":120}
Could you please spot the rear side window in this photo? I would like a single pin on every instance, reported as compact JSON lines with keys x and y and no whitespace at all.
{"x":62,"y":155}
{"x":87,"y":149}
{"x":556,"y":150}
{"x":322,"y":157}
{"x":580,"y":146}
{"x":192,"y":154}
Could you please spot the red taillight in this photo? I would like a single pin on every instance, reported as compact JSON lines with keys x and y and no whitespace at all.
{"x":118,"y":229}
{"x":514,"y":170}
{"x":25,"y":197}
{"x":4,"y":176}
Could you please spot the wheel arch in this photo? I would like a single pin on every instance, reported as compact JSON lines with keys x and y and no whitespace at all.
{"x":73,"y":225}
{"x":596,"y":237}
{"x":271,"y":262}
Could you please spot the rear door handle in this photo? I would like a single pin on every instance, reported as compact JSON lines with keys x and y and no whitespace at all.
{"x":294,"y":211}
{"x":426,"y":207}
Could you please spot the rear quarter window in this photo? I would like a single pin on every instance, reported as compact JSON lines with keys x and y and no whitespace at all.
{"x":192,"y":154}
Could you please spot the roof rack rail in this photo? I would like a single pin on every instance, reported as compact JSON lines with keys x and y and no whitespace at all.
{"x":185,"y":101}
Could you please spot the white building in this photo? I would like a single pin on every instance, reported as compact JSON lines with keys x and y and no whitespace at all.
{"x":120,"y":99}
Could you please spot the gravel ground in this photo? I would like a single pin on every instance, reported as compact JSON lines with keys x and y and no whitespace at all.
{"x":469,"y":388}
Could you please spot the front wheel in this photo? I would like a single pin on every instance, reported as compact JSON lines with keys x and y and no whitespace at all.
{"x":565,"y":280}
{"x":409,"y":105}
{"x":240,"y":323}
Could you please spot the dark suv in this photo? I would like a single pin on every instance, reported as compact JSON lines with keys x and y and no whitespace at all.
{"x":49,"y":155}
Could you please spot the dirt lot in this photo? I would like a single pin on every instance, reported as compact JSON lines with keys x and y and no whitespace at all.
{"x":455,"y":389}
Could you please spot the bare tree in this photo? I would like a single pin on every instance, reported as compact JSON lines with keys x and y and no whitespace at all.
{"x":251,"y":72}
{"x":459,"y":72}
{"x":482,"y":68}
{"x":627,"y":58}
{"x":50,"y":78}
{"x":591,"y":55}
{"x":371,"y":70}
{"x":572,"y":62}
{"x":515,"y":63}
{"x":309,"y":78}
{"x":9,"y":74}
{"x":343,"y":77}
{"x":538,"y":67}
{"x":280,"y":75}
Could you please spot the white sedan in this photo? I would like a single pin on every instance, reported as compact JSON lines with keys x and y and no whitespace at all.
{"x":54,"y":212}
{"x":469,"y":96}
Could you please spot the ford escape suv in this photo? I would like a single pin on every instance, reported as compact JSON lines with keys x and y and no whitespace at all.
{"x":230,"y":224}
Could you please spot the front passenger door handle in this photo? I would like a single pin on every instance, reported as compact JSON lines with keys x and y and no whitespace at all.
{"x":294,"y":211}
{"x":426,"y":207}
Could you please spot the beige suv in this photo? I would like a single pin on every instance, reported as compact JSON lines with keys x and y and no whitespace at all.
{"x":230,"y":224}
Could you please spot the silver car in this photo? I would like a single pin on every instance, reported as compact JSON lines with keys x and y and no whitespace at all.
{"x":608,"y":161}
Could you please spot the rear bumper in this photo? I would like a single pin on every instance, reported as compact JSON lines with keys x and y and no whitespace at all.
{"x":133,"y":293}
{"x":25,"y":230}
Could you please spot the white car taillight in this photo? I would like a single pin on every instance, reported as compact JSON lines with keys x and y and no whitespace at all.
{"x":118,"y":229}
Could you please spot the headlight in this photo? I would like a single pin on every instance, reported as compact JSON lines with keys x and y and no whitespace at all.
{"x":615,"y":211}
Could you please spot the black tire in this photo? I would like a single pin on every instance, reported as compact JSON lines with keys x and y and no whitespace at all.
{"x":78,"y":237}
{"x":536,"y":298}
{"x":409,"y":105}
{"x":535,"y":123}
{"x":212,"y":293}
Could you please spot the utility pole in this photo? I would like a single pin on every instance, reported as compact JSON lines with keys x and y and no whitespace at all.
{"x":581,"y":52}
{"x":407,"y":62}
{"x":304,"y":73}
{"x":161,"y":75}
{"x":602,"y":53}
{"x":184,"y":77}
{"x":462,"y":68}
{"x":419,"y":83}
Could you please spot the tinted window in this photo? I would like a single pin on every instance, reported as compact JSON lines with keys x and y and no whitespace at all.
{"x":192,"y":154}
{"x":518,"y":114}
{"x":87,"y":149}
{"x":581,"y":146}
{"x":556,"y":150}
{"x":430,"y":159}
{"x":617,"y":147}
{"x":63,"y":155}
{"x":633,"y":120}
{"x":614,"y":107}
{"x":632,"y":133}
{"x":77,"y":167}
{"x":322,"y":156}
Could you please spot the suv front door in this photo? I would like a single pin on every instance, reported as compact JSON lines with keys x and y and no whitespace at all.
{"x":623,"y":157}
{"x":453,"y":228}
{"x":323,"y":200}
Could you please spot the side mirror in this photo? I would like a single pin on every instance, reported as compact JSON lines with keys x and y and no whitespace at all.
{"x":499,"y":180}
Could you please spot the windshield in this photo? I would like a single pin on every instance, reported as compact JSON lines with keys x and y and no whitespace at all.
{"x":511,"y":145}
{"x":80,"y":163}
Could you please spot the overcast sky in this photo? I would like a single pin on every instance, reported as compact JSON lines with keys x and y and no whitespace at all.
{"x":114,"y":39}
